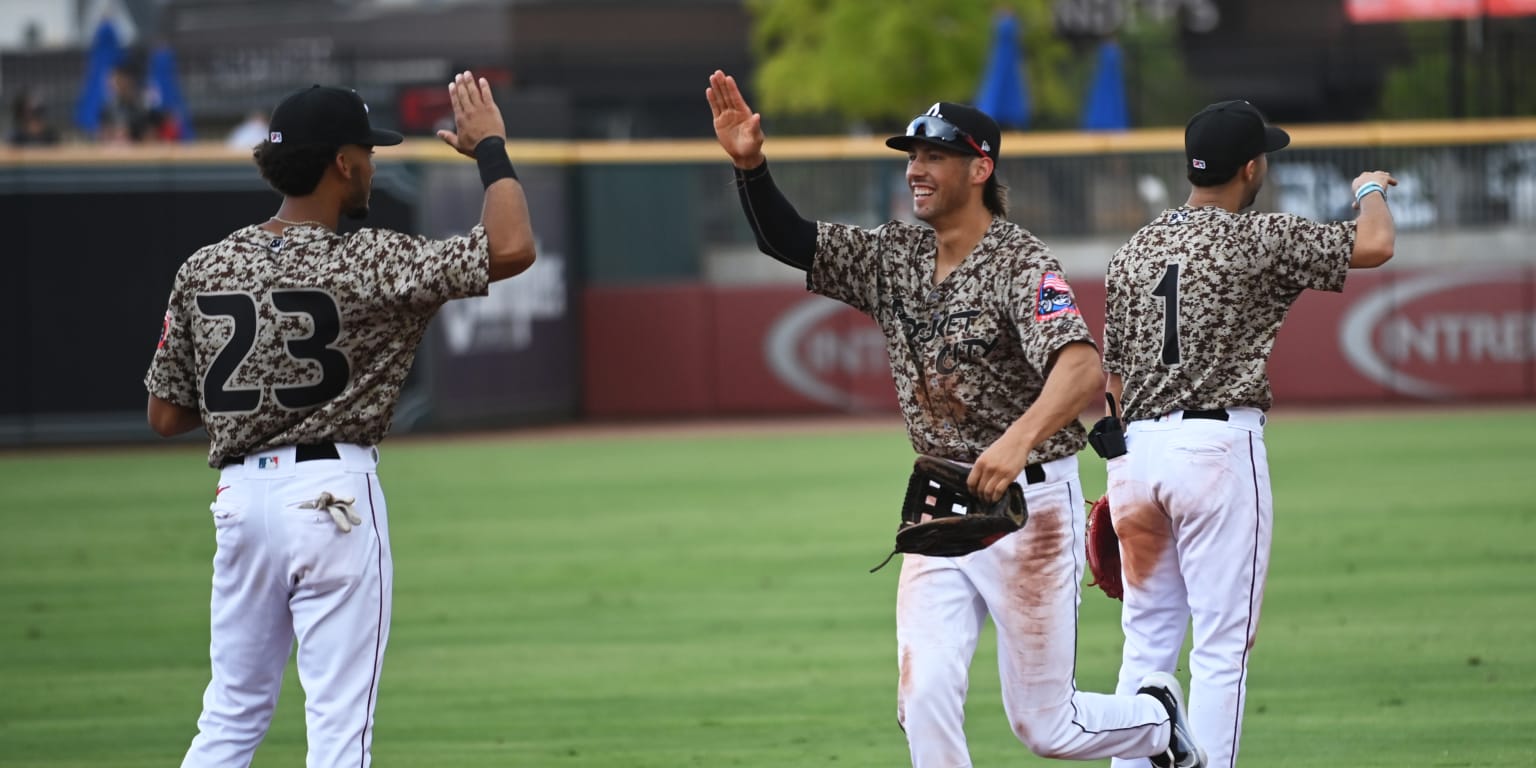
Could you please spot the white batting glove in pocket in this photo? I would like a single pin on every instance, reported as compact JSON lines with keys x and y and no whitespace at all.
{"x":339,"y":509}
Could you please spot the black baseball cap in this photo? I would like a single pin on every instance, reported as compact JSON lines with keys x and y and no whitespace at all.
{"x":327,"y":116}
{"x":1224,"y":136}
{"x":959,"y":127}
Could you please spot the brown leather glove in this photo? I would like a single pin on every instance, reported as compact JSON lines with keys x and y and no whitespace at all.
{"x":1104,"y":550}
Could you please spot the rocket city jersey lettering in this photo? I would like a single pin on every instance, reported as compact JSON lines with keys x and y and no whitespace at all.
{"x":955,"y":327}
{"x":969,"y":354}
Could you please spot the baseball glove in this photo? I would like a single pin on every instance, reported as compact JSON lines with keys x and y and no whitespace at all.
{"x":941,"y":518}
{"x":1104,"y":550}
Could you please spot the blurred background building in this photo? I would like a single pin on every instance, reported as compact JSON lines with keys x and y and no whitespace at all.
{"x":630,"y":68}
{"x":129,"y":124}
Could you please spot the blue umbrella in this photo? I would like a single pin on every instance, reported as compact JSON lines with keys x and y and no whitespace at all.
{"x":105,"y":54}
{"x":1003,"y":94}
{"x":162,"y":80}
{"x":1106,"y":110}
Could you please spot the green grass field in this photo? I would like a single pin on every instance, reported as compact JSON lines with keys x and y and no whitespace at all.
{"x":683,"y":600}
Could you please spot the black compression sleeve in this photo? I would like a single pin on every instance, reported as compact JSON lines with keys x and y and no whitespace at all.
{"x":780,"y":230}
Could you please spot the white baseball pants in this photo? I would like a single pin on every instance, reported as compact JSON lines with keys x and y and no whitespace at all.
{"x":1192,"y":506}
{"x":283,"y":572}
{"x":1029,"y":583}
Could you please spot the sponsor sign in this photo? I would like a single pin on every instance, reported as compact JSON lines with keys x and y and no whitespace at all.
{"x":1392,"y":336}
{"x":830,"y":354}
{"x":1445,"y":334}
{"x":1369,"y":11}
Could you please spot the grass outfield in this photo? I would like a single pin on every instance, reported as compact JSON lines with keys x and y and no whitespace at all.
{"x":643,"y":600}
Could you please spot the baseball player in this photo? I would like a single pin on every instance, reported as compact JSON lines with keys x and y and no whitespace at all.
{"x":1195,"y":300}
{"x":992,"y":364}
{"x":289,"y":341}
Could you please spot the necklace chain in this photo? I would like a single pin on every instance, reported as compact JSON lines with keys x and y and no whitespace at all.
{"x":305,"y":223}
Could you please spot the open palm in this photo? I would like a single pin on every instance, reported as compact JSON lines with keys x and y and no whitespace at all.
{"x":739,"y":129}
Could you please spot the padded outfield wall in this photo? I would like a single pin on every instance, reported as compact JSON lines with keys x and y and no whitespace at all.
{"x":650,"y":301}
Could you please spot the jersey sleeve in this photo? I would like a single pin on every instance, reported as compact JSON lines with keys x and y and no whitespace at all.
{"x":847,"y":265}
{"x":172,"y":375}
{"x":1045,"y":312}
{"x":1308,"y":254}
{"x":422,"y":271}
{"x":1115,"y":310}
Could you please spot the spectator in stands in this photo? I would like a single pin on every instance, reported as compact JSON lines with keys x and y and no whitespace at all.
{"x":125,"y":118}
{"x":29,"y":122}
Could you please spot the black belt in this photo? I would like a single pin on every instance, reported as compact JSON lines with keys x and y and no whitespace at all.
{"x":301,"y":452}
{"x":1215,"y":414}
{"x":1034,"y":473}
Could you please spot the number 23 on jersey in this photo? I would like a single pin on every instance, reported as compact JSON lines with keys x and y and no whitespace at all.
{"x":242,"y":308}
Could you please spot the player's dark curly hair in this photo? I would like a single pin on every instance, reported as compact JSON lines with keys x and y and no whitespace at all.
{"x":1209,"y":178}
{"x":995,"y":196}
{"x":293,"y":169}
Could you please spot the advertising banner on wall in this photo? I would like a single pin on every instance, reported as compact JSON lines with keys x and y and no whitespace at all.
{"x":1392,"y":336}
{"x":1441,"y":335}
{"x":513,"y":355}
{"x":1370,"y":11}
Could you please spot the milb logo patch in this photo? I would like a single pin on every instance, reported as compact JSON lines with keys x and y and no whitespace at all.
{"x":1055,"y":298}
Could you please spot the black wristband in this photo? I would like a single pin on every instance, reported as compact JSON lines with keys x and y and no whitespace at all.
{"x":751,"y":174}
{"x":491,"y":156}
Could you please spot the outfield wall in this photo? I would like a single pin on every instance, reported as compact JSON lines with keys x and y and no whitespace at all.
{"x":1392,"y":336}
{"x":650,"y":300}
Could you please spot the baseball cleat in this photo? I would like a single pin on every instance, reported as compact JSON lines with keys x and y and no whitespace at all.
{"x":1182,"y":751}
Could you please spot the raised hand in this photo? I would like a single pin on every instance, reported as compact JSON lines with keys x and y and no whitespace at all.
{"x":739,"y":129}
{"x":1380,"y":177}
{"x":475,"y":114}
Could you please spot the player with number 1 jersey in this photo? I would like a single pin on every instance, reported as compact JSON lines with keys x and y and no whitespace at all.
{"x":1194,"y":302}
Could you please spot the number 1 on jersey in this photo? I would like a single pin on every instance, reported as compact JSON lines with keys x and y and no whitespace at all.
{"x":1168,"y":288}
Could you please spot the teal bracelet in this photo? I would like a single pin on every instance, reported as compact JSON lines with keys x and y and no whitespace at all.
{"x":1367,"y":188}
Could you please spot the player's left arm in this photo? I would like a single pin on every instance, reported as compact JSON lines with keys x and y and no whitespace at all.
{"x":1115,"y":298}
{"x":169,"y":419}
{"x":172,"y":378}
{"x":1308,"y":255}
{"x":1073,"y":382}
{"x":1375,"y":232}
{"x":1057,"y":343}
{"x":481,"y":134}
{"x":1115,"y":387}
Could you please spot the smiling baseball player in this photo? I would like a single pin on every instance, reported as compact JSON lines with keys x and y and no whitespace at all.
{"x":1195,"y":301}
{"x":992,"y":363}
{"x":289,"y":341}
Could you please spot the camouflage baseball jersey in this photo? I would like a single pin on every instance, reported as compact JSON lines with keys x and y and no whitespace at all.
{"x":306,"y":337}
{"x":969,"y":354}
{"x":1197,"y":296}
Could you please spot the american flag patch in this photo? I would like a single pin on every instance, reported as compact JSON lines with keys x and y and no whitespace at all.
{"x":1055,"y":298}
{"x":165,"y":330}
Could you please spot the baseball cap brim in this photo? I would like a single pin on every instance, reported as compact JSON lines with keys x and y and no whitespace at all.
{"x":1275,"y":139}
{"x":382,"y":138}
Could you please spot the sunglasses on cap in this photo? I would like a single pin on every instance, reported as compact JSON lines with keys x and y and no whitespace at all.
{"x":930,"y":127}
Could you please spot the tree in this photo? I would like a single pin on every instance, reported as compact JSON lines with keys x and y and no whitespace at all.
{"x":886,"y":60}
